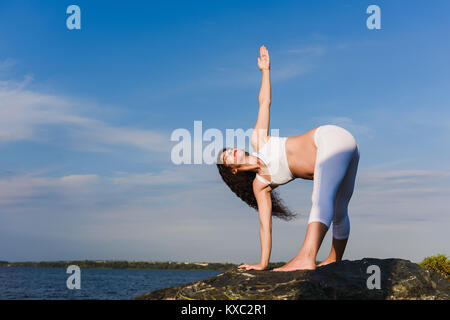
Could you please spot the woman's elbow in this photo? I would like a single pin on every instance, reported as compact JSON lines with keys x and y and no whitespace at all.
{"x":265,"y":226}
{"x":264,"y":102}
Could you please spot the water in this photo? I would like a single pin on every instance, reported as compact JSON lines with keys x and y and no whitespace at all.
{"x":105,"y":284}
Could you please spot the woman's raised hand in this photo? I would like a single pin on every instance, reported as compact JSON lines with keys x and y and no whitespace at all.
{"x":263,"y":59}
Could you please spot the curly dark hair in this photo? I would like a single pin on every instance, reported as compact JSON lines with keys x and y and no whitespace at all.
{"x":241,"y":184}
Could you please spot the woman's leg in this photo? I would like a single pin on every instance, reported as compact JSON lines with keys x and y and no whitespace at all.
{"x":341,"y":222}
{"x":306,"y":258}
{"x":335,"y":149}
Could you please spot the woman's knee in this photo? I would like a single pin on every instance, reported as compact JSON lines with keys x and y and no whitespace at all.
{"x":322,"y":212}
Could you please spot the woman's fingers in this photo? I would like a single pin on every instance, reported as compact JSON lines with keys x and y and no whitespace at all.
{"x":263,"y":51}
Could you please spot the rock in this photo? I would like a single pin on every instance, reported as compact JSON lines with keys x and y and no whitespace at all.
{"x":399,"y":279}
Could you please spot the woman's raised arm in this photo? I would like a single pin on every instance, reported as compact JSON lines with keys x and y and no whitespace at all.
{"x":264,"y":66}
{"x":261,"y":130}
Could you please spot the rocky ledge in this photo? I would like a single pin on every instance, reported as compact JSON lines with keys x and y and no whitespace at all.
{"x":398,"y":279}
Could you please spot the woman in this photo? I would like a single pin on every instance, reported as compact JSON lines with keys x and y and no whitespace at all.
{"x":328,"y":154}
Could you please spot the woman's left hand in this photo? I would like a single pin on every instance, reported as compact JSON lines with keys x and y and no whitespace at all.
{"x":252,"y":266}
{"x":263,"y":59}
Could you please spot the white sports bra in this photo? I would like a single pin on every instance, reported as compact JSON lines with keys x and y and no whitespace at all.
{"x":273,"y":154}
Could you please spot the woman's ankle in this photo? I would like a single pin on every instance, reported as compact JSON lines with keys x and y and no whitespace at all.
{"x":306,"y":255}
{"x":326,"y":261}
{"x":331,"y":259}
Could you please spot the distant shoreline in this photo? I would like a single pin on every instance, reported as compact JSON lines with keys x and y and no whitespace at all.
{"x":123,"y":264}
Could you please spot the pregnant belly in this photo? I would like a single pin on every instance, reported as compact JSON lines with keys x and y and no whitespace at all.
{"x":301,"y":154}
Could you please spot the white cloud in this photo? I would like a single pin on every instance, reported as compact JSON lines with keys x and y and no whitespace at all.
{"x":309,"y":49}
{"x":289,"y":70}
{"x":175,"y":175}
{"x":24,"y":113}
{"x":7,"y":64}
{"x":391,"y":178}
{"x":79,"y":179}
{"x":26,"y":188}
{"x":15,"y":189}
{"x":347,"y":123}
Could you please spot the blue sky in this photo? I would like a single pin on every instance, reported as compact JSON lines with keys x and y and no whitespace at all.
{"x":86,"y":116}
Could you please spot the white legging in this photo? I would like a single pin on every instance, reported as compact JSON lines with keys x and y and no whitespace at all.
{"x":334,"y":178}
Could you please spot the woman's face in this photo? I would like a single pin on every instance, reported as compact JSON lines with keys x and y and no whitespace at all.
{"x":233,"y":157}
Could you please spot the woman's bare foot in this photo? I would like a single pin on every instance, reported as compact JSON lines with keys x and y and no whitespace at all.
{"x":297,"y":264}
{"x":306,"y":258}
{"x":326,"y":261}
{"x":336,"y":253}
